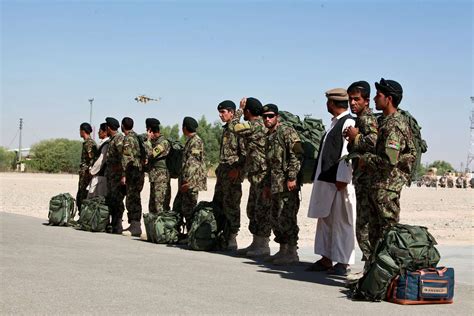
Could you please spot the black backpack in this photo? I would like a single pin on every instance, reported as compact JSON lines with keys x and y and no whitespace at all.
{"x":174,"y":159}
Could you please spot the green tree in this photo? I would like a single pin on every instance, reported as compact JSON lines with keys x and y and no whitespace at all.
{"x":210,"y":135}
{"x":441,"y":166}
{"x":7,"y":159}
{"x":56,"y":155}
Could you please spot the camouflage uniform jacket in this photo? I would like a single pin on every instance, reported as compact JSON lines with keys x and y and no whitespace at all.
{"x":88,"y":155}
{"x":364,"y":142}
{"x":232,"y":149}
{"x":193,"y":170}
{"x":157,"y":150}
{"x":131,"y":156}
{"x":390,"y":166}
{"x":254,"y":134}
{"x":283,"y":154}
{"x":114,"y":156}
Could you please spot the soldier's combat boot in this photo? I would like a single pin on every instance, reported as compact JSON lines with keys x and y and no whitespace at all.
{"x":117,"y":226}
{"x":243,"y":251}
{"x":291,"y":257}
{"x":282,"y":252}
{"x":135,"y":229}
{"x":232,"y":242}
{"x":261,"y":248}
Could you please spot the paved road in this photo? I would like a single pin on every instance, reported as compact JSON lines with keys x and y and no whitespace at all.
{"x":57,"y":270}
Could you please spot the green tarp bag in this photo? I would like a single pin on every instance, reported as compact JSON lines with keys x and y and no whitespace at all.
{"x":161,"y":228}
{"x":310,"y":131}
{"x":62,"y":209}
{"x":203,"y":233}
{"x":174,"y":158}
{"x":94,"y":215}
{"x":403,"y":248}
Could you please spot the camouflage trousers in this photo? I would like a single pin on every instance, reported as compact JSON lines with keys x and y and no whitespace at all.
{"x":363,"y":220}
{"x":384,"y":212}
{"x":84,"y":180}
{"x":258,"y":208}
{"x":227,"y":195}
{"x":184,"y":204}
{"x":160,"y":192}
{"x":284,"y":211}
{"x":115,"y":196}
{"x":135,"y":181}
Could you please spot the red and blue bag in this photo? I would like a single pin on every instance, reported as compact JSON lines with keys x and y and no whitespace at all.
{"x":425,"y":286}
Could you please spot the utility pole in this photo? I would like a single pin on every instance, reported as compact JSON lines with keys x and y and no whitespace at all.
{"x":90,"y":118}
{"x":19,"y":145}
{"x":470,"y":155}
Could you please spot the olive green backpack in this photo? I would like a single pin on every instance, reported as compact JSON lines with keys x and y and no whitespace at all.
{"x":161,"y":228}
{"x":62,"y":210}
{"x":94,"y":215}
{"x":310,"y":131}
{"x":403,"y":248}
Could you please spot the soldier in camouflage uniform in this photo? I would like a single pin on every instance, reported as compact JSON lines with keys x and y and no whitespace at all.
{"x":158,"y":148}
{"x":88,"y":156}
{"x":230,"y":172}
{"x":193,"y":177}
{"x":390,"y":166}
{"x":254,"y":132}
{"x":362,"y":139}
{"x":133,"y":176}
{"x":284,"y":153}
{"x":113,"y":173}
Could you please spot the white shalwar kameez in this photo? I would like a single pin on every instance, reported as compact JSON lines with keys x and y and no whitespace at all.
{"x":335,"y":210}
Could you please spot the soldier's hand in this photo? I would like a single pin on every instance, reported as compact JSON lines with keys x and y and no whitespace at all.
{"x":350,"y":133}
{"x":340,"y":185}
{"x":233,"y":175}
{"x":123,"y":180}
{"x":243,"y":102}
{"x":291,"y":184}
{"x":184,"y":187}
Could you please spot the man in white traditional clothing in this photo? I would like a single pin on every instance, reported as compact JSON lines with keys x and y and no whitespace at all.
{"x":98,"y":184}
{"x":333,"y":200}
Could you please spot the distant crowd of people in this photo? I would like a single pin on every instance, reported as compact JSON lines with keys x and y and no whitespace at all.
{"x":363,"y":162}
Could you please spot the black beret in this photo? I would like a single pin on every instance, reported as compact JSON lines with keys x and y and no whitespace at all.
{"x":254,"y":106}
{"x":190,"y":124}
{"x":390,"y":87}
{"x":86,"y":127}
{"x":152,"y":122}
{"x":360,"y":85}
{"x":270,"y":108}
{"x":112,"y":123}
{"x":226,"y":105}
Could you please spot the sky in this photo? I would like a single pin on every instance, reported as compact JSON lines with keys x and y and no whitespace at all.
{"x":55,"y":55}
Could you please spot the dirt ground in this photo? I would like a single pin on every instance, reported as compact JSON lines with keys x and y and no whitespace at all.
{"x":448,"y":213}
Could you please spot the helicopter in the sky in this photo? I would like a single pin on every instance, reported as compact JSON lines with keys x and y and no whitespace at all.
{"x":144,"y":99}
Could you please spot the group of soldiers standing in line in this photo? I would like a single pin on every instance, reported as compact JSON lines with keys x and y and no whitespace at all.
{"x":267,"y":153}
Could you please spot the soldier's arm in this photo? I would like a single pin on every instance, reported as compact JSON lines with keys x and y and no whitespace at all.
{"x":389,"y":158}
{"x":127,"y":154}
{"x":296,"y":152}
{"x":408,"y":157}
{"x":366,"y":143}
{"x":160,"y":150}
{"x":235,"y":126}
{"x":194,"y":160}
{"x":344,"y":169}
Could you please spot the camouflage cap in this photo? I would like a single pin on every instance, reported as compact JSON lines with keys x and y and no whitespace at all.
{"x":337,"y":94}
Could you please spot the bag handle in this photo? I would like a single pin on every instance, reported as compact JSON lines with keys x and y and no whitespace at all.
{"x":440,"y":271}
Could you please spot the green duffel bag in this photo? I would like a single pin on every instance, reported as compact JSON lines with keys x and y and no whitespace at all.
{"x":161,"y":228}
{"x":203,"y":233}
{"x":403,"y":248}
{"x":94,"y":215}
{"x":62,"y":210}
